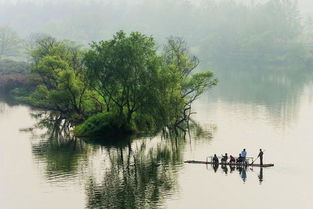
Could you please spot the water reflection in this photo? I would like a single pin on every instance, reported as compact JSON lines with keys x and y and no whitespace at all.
{"x":133,"y":172}
{"x":215,"y":167}
{"x":275,"y":90}
{"x":260,"y":176}
{"x":60,"y":158}
{"x":241,"y":170}
{"x":225,"y":169}
{"x":144,"y":172}
{"x":58,"y":155}
{"x":139,"y":176}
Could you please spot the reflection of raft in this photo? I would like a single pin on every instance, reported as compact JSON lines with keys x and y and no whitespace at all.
{"x":231,"y":164}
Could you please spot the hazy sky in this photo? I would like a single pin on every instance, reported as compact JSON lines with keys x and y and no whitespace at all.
{"x":75,"y":20}
{"x":306,"y":6}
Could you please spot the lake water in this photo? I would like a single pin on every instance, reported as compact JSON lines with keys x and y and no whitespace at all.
{"x":269,"y":112}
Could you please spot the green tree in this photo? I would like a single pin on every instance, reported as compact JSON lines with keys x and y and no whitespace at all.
{"x":143,"y":87}
{"x":59,"y":69}
{"x":138,"y":88}
{"x":124,"y":72}
{"x":184,"y":84}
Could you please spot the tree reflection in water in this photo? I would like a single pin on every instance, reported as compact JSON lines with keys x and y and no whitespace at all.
{"x":140,"y":175}
{"x":58,"y":154}
{"x":135,"y":172}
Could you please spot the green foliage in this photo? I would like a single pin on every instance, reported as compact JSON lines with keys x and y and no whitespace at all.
{"x":67,"y":51}
{"x":124,"y":71}
{"x":48,"y":69}
{"x":197,"y":84}
{"x":120,"y":85}
{"x":39,"y":98}
{"x":150,"y":90}
{"x":146,"y":122}
{"x":20,"y":94}
{"x":103,"y":124}
{"x":180,"y":85}
{"x":59,"y":70}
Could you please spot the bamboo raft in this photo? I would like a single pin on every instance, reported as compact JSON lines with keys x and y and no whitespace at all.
{"x":230,"y":164}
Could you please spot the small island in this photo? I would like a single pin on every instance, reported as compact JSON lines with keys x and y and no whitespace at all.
{"x":125,"y":85}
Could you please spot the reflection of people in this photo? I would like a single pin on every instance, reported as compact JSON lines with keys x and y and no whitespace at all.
{"x":244,"y":155}
{"x":225,"y":169}
{"x":215,"y":167}
{"x":215,"y":163}
{"x":260,"y":176}
{"x":232,"y":168}
{"x":261,"y":156}
{"x":239,"y":168}
{"x":244,"y":174}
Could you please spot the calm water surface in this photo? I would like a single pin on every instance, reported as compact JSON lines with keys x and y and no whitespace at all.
{"x":40,"y":171}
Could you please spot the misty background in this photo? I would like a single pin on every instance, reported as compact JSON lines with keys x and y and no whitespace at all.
{"x":215,"y":30}
{"x":261,"y":50}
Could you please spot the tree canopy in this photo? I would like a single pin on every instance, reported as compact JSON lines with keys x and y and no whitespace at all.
{"x":122,"y":84}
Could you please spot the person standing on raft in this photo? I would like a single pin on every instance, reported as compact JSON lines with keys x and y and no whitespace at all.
{"x":261,"y":156}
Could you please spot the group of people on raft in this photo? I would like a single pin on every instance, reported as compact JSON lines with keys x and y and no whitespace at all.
{"x":242,"y":159}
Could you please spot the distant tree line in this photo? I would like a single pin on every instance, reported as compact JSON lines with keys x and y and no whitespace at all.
{"x":222,"y":33}
{"x":14,"y":70}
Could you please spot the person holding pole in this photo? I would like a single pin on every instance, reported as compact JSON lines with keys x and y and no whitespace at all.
{"x":261,"y":157}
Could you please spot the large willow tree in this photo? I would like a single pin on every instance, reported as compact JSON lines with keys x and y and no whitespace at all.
{"x":124,"y":71}
{"x":123,"y":84}
{"x":140,"y":86}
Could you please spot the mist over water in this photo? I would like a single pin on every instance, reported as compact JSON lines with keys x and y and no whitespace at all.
{"x":261,"y":54}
